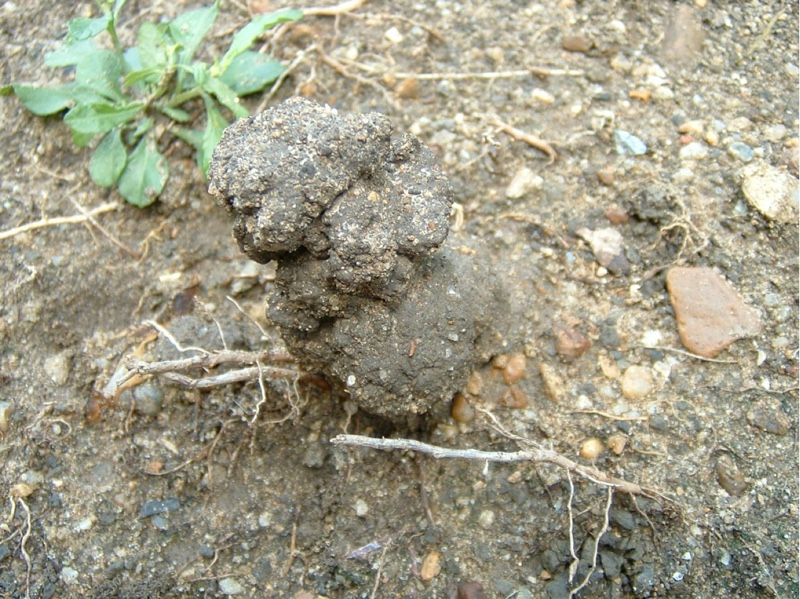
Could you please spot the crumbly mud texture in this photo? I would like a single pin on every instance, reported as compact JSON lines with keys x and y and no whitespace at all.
{"x":354,"y":219}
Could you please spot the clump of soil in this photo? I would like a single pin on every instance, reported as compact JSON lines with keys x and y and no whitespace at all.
{"x":356,"y":220}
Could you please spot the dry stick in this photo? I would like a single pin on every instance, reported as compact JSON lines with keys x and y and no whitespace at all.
{"x":301,"y":56}
{"x":332,"y":11}
{"x":688,"y":354}
{"x":531,"y":140}
{"x":533,"y":454}
{"x":210,"y":360}
{"x":242,"y":375}
{"x":342,"y":70}
{"x":609,"y":416}
{"x":59,"y":220}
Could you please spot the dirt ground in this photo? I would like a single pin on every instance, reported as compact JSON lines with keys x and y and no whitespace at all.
{"x":237,"y":490}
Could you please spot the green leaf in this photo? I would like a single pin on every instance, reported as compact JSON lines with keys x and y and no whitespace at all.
{"x":176,"y":114}
{"x":191,"y":136}
{"x":215,"y":125}
{"x":250,"y":72}
{"x":245,"y":37}
{"x":152,"y":47}
{"x":82,"y":28}
{"x":189,"y":29}
{"x":42,"y":101}
{"x":70,"y":54}
{"x":151,"y":75}
{"x":145,"y":175}
{"x":102,"y":72}
{"x":108,"y":160}
{"x":101,"y":117}
{"x":81,"y":140}
{"x":143,"y":127}
{"x":226,"y":96}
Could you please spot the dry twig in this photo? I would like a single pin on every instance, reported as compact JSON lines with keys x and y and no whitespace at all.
{"x":58,"y":220}
{"x":532,"y":454}
{"x":531,"y":140}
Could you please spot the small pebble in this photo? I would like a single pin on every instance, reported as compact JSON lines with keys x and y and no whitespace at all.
{"x":361,"y":508}
{"x":543,"y":96}
{"x":694,"y":151}
{"x":663,"y":93}
{"x":627,"y":144}
{"x":770,"y":418}
{"x":711,"y":138}
{"x":729,"y":477}
{"x":393,"y":35}
{"x":570,"y":343}
{"x":607,"y":177}
{"x":431,"y":566}
{"x":514,"y":398}
{"x":741,"y":151}
{"x":461,"y":410}
{"x":771,"y":191}
{"x":514,"y":370}
{"x":591,"y":448}
{"x":6,"y":411}
{"x":710,"y":314}
{"x":643,"y":95}
{"x":607,"y":247}
{"x":523,"y":182}
{"x":554,"y":386}
{"x":471,"y":590}
{"x":576,"y":43}
{"x":637,"y":382}
{"x":407,"y":89}
{"x":58,"y":367}
{"x":616,"y":443}
{"x":229,"y":586}
{"x":149,"y":398}
{"x":154,"y":507}
{"x":474,"y":383}
{"x":486,"y":519}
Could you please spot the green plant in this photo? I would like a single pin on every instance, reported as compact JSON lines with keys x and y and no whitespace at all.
{"x":124,"y":94}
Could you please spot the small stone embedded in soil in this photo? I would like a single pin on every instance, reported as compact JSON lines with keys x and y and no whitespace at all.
{"x":769,"y":417}
{"x":471,"y":590}
{"x":741,"y":151}
{"x":514,"y":370}
{"x":431,"y":566}
{"x":153,"y":507}
{"x":627,"y":144}
{"x":58,"y":367}
{"x":710,"y":314}
{"x":229,"y":586}
{"x":591,"y":448}
{"x":729,"y":477}
{"x":6,"y":411}
{"x":554,"y":386}
{"x":616,"y":443}
{"x":576,"y":43}
{"x":771,"y":191}
{"x":523,"y":182}
{"x":570,"y":343}
{"x":486,"y":519}
{"x":607,"y":247}
{"x":637,"y":382}
{"x":514,"y":398}
{"x":461,"y":410}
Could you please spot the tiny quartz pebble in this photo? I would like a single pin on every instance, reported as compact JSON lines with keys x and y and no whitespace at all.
{"x":591,"y":448}
{"x":637,"y":382}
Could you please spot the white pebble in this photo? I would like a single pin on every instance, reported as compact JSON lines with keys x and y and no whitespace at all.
{"x":361,"y":508}
{"x":229,"y":586}
{"x":393,"y":35}
{"x":637,"y":382}
{"x":486,"y":519}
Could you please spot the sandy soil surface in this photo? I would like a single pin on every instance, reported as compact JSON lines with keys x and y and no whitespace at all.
{"x":643,"y":118}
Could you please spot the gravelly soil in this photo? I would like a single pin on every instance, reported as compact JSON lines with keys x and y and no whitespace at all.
{"x":174,"y":493}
